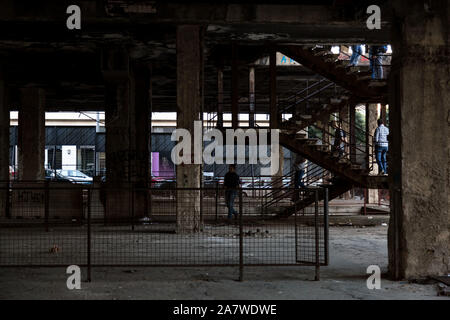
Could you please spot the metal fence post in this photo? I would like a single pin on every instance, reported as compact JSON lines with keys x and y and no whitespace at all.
{"x":241,"y":239}
{"x":132,"y":206}
{"x":217,"y":198}
{"x":89,"y":235}
{"x":46,"y":204}
{"x":326,"y":226}
{"x":316,"y":233}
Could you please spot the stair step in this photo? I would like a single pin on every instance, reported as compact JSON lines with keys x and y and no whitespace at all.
{"x":356,"y":167}
{"x":300,"y":136}
{"x":309,"y":141}
{"x":305,"y":116}
{"x":377,"y":83}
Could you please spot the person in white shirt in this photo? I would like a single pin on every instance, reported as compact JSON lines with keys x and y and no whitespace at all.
{"x":381,"y":146}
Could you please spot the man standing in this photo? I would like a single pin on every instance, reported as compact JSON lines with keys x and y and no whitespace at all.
{"x":231,"y":184}
{"x":381,"y":146}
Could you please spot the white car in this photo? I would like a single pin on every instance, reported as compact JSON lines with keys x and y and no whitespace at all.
{"x":75,"y":176}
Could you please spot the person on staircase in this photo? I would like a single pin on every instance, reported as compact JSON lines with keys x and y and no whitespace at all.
{"x":376,"y":54}
{"x":356,"y":55}
{"x":299,"y":172}
{"x":339,"y":139}
{"x":300,"y":168}
{"x":381,"y":146}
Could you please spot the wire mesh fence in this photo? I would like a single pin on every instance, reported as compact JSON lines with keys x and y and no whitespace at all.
{"x":60,"y":224}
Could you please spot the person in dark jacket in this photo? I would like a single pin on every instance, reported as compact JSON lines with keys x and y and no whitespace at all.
{"x":231,"y":184}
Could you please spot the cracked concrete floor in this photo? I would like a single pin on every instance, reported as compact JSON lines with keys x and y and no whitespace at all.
{"x":352,"y":250}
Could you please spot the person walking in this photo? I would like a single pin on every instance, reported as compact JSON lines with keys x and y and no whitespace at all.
{"x":381,"y":146}
{"x":231,"y":184}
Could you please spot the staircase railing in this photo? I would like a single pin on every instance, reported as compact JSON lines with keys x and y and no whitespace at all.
{"x":314,"y":174}
{"x":349,"y":148}
{"x":302,"y":97}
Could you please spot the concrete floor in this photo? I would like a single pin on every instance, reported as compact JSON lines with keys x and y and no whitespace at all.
{"x":352,"y":250}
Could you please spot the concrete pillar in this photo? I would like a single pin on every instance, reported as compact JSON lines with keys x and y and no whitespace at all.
{"x":251,"y":97}
{"x":234,"y":86}
{"x":419,"y":118}
{"x":274,"y":117}
{"x":383,"y":114}
{"x":220,"y":98}
{"x":127,"y":118}
{"x":344,"y":117}
{"x":4,"y":151}
{"x":372,"y":117}
{"x":140,"y":138}
{"x":189,"y":108}
{"x":31,"y":135}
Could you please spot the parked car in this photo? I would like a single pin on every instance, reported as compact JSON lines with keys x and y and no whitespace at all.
{"x":52,"y":175}
{"x":75,"y":176}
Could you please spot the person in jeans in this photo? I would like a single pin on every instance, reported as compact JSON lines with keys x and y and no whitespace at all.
{"x":356,"y":55}
{"x":381,"y":146}
{"x":376,"y":61}
{"x":231,"y":184}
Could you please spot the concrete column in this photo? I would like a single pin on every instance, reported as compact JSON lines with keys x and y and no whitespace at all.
{"x":189,"y":108}
{"x":220,"y":98}
{"x":372,"y":117}
{"x":419,"y":229}
{"x":4,"y":151}
{"x":344,"y":116}
{"x":31,"y":135}
{"x":119,"y":109}
{"x":251,"y":97}
{"x":234,"y":86}
{"x":383,"y":114}
{"x":274,"y":117}
{"x":140,"y":138}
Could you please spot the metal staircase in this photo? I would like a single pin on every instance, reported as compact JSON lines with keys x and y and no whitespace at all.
{"x":357,"y":80}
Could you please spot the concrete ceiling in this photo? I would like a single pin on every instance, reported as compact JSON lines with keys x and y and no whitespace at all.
{"x":36,"y":49}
